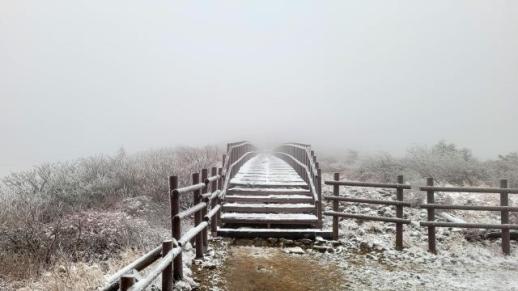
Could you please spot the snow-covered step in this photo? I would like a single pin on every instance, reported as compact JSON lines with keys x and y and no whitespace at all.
{"x":271,"y":184}
{"x":268,"y":218}
{"x":274,"y":198}
{"x":267,"y":191}
{"x":291,"y":233}
{"x":269,"y":208}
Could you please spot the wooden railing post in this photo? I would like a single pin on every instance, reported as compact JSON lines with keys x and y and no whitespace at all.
{"x":431,"y":217}
{"x":336,"y":192}
{"x":167,"y":273}
{"x":319,"y":190}
{"x":504,"y":219}
{"x":399,"y":214}
{"x":197,"y":216}
{"x":214,"y":202}
{"x":220,"y":181}
{"x":205,"y":175}
{"x":174,"y":200}
{"x":220,"y":187}
{"x":126,"y":282}
{"x":176,"y":225}
{"x":178,"y":261}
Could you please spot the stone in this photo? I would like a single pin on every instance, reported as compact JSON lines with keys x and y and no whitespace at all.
{"x":294,"y":250}
{"x":306,"y":241}
{"x":322,"y":249}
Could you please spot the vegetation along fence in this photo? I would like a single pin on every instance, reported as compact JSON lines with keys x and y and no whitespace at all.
{"x":430,"y":206}
{"x":207,"y":192}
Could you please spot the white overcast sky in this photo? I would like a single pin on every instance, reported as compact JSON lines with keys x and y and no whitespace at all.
{"x":86,"y":77}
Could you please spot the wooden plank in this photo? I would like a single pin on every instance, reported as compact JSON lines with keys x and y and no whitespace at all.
{"x":289,"y":233}
{"x":270,"y":199}
{"x":367,"y":217}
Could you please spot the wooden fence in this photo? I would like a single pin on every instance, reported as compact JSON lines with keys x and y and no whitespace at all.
{"x":430,"y":206}
{"x":504,"y":209}
{"x":207,"y":192}
{"x":399,"y":203}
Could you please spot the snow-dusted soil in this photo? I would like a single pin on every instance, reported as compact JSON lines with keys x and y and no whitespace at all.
{"x":273,"y":265}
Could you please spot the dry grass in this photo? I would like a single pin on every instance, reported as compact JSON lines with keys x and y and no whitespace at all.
{"x":65,"y":275}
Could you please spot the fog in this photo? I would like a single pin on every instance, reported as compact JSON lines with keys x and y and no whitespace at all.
{"x":85,"y":77}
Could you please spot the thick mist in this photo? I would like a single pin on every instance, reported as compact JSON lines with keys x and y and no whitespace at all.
{"x":85,"y":77}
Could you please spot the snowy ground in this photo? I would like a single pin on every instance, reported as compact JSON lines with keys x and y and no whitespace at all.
{"x":367,"y":255}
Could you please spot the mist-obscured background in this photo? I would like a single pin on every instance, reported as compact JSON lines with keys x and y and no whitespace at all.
{"x":79,"y":78}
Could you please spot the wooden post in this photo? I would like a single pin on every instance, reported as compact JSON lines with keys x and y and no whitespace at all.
{"x":319,"y":190}
{"x":174,"y":200}
{"x":176,"y":224}
{"x":178,"y":264}
{"x":197,"y":216}
{"x":126,"y":282}
{"x":504,"y":219}
{"x":220,"y":182}
{"x":205,"y":175}
{"x":213,"y":203}
{"x":431,"y":217}
{"x":167,"y":273}
{"x":336,"y":192}
{"x":399,"y":214}
{"x":220,"y":187}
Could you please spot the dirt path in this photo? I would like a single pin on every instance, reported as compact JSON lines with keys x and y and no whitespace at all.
{"x":252,"y":268}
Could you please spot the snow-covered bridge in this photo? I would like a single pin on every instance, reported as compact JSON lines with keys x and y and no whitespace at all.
{"x":268,"y":198}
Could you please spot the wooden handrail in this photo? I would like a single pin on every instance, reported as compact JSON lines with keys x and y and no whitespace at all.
{"x":306,"y":148}
{"x":157,"y":255}
{"x":311,"y":182}
{"x":139,"y":264}
{"x":228,"y":177}
{"x":155,"y":272}
{"x":231,"y":147}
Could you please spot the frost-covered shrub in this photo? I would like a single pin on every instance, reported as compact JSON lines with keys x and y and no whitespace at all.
{"x":505,"y":167}
{"x":445,"y":163}
{"x":36,"y":204}
{"x":338,"y":162}
{"x":104,"y":180}
{"x":381,"y":167}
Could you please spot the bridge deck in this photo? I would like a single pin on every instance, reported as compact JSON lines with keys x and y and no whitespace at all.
{"x":267,"y":194}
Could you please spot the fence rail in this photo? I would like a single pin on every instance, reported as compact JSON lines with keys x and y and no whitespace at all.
{"x":207,"y":193}
{"x":504,"y":208}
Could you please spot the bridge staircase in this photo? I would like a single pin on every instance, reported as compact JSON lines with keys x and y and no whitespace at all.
{"x":272,"y":194}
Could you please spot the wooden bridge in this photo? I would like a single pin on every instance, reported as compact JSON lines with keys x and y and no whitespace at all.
{"x":268,"y":198}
